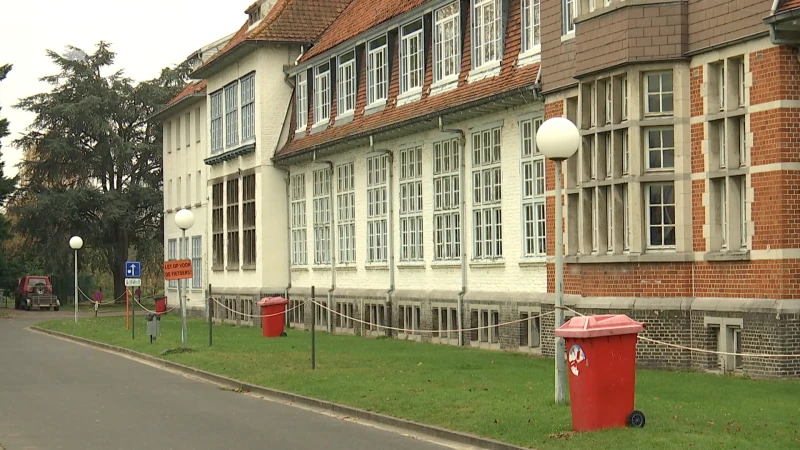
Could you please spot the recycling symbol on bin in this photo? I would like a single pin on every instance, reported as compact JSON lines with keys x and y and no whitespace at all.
{"x":576,"y":357}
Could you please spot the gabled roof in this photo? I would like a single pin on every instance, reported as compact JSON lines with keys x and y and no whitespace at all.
{"x":787,"y":5}
{"x":195,"y":89}
{"x":359,"y":17}
{"x":289,"y":21}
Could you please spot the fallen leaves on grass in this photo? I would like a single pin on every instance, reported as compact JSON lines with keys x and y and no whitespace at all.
{"x":564,"y":435}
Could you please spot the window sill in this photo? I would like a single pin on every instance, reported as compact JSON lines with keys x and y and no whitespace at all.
{"x":301,"y":131}
{"x":249,"y":267}
{"x":533,"y":262}
{"x":320,"y":268}
{"x":168,"y":211}
{"x":487,"y":70}
{"x":727,"y":255}
{"x":344,"y":118}
{"x":376,"y":266}
{"x":198,"y":205}
{"x":444,"y":85}
{"x":319,"y":126}
{"x":487,"y":264}
{"x":232,"y":268}
{"x":411,"y":265}
{"x":651,"y":256}
{"x":374,"y":107}
{"x":351,"y":267}
{"x":568,"y":37}
{"x":529,"y":57}
{"x":299,"y":268}
{"x":217,"y":268}
{"x":409,"y":96}
{"x":446,"y":264}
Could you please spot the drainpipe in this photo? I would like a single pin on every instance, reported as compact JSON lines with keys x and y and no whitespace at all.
{"x":332,"y":235}
{"x":390,"y":228}
{"x":288,"y":233}
{"x":462,"y":212}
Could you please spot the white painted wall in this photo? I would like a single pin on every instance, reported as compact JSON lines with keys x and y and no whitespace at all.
{"x":183,"y":162}
{"x":272,"y":101}
{"x":514,"y":274}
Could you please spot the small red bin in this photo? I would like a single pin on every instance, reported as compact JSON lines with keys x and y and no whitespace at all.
{"x":601,"y":363}
{"x":161,"y":305}
{"x":273,"y":313}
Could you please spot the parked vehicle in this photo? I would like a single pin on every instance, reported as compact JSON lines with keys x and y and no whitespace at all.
{"x":35,"y":292}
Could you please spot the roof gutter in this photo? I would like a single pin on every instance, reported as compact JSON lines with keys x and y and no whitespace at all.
{"x":215,"y":65}
{"x":432,"y":117}
{"x":778,"y":36}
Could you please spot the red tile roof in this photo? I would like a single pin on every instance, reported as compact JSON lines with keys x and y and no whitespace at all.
{"x":510,"y":79}
{"x":297,"y":21}
{"x":786,"y":5}
{"x":359,"y":17}
{"x":194,"y":87}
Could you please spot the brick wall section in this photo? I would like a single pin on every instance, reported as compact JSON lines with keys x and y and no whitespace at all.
{"x":554,"y":109}
{"x":776,"y":210}
{"x":639,"y":33}
{"x":712,"y":22}
{"x":776,"y":75}
{"x":776,"y":136}
{"x":695,"y":94}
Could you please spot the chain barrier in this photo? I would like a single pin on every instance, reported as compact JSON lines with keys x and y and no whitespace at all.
{"x":258,"y":315}
{"x":154,"y":312}
{"x":409,"y":331}
{"x":701,"y":350}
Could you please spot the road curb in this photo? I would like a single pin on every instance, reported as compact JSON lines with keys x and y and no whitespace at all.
{"x":429,"y":430}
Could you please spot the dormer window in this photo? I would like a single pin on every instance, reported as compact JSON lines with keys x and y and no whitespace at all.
{"x":255,"y":15}
{"x":322,"y":93}
{"x":347,"y":83}
{"x":486,"y":33}
{"x":447,"y":46}
{"x":301,"y":99}
{"x":376,"y":70}
{"x":531,"y":26}
{"x":411,"y":57}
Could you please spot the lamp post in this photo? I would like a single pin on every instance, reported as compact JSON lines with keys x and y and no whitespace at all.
{"x":558,"y":139}
{"x":184,"y":219}
{"x":76,"y":243}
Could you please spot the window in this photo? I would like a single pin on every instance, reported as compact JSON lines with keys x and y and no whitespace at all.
{"x":447,"y":42}
{"x":626,"y":221}
{"x":486,"y":32}
{"x":660,"y":148}
{"x":609,"y":112}
{"x":347,"y":83}
{"x":531,"y":26}
{"x":719,"y":69}
{"x":197,"y":262}
{"x":167,"y":136}
{"x":376,"y":70}
{"x":301,"y":98}
{"x":729,"y":195}
{"x":201,"y":194}
{"x":187,"y":128}
{"x":609,"y":216}
{"x":740,"y":82}
{"x":660,"y":215}
{"x":568,"y":14}
{"x":298,"y":193}
{"x":411,"y":232}
{"x":179,"y":194}
{"x":346,"y":212}
{"x":231,"y":116}
{"x":742,"y":141}
{"x":593,"y":105}
{"x":232,"y":191}
{"x":533,"y":187}
{"x":189,"y":189}
{"x":608,"y":152}
{"x":659,"y":99}
{"x":377,"y":207}
{"x":486,"y":195}
{"x":249,"y":219}
{"x":322,"y":93}
{"x":172,"y":254}
{"x":623,"y":86}
{"x":626,"y":155}
{"x":216,"y":122}
{"x":178,"y":134}
{"x":322,"y":217}
{"x":411,"y":57}
{"x":446,"y":198}
{"x":248,"y":107}
{"x":529,"y":330}
{"x":217,"y":226}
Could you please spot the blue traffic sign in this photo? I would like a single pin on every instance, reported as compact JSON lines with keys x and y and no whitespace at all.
{"x":133,"y":269}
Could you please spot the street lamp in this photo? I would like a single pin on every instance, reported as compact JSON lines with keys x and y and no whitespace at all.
{"x":184,"y":219}
{"x":76,"y":243}
{"x":558,"y":139}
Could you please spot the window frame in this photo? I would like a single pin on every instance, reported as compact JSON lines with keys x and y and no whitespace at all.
{"x":319,"y":93}
{"x":248,"y":107}
{"x":648,"y":226}
{"x":373,"y":71}
{"x":487,"y":214}
{"x":405,"y":59}
{"x":662,"y":149}
{"x":346,"y":89}
{"x":346,"y":213}
{"x":410,"y":193}
{"x":197,"y":262}
{"x":440,"y":44}
{"x":217,"y":129}
{"x":218,"y":225}
{"x":377,"y":174}
{"x":297,"y":187}
{"x":533,"y":191}
{"x":567,"y":19}
{"x":479,"y":46}
{"x":232,"y":228}
{"x":231,"y":115}
{"x":249,"y":221}
{"x":321,"y":213}
{"x":661,"y":93}
{"x":172,"y":254}
{"x":301,"y":100}
{"x":447,"y":223}
{"x":531,"y":10}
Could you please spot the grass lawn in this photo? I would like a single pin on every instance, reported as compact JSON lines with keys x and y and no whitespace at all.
{"x":500,"y":395}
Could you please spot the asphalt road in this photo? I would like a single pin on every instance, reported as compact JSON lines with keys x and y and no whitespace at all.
{"x":56,"y":394}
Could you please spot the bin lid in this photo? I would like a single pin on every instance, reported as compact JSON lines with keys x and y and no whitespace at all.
{"x":601,"y":325}
{"x":268,"y":301}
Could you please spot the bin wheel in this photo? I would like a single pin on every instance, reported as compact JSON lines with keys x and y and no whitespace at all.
{"x":284,"y":334}
{"x":636,"y":419}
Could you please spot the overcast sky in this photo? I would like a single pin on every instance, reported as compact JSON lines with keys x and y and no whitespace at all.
{"x":146,"y":35}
